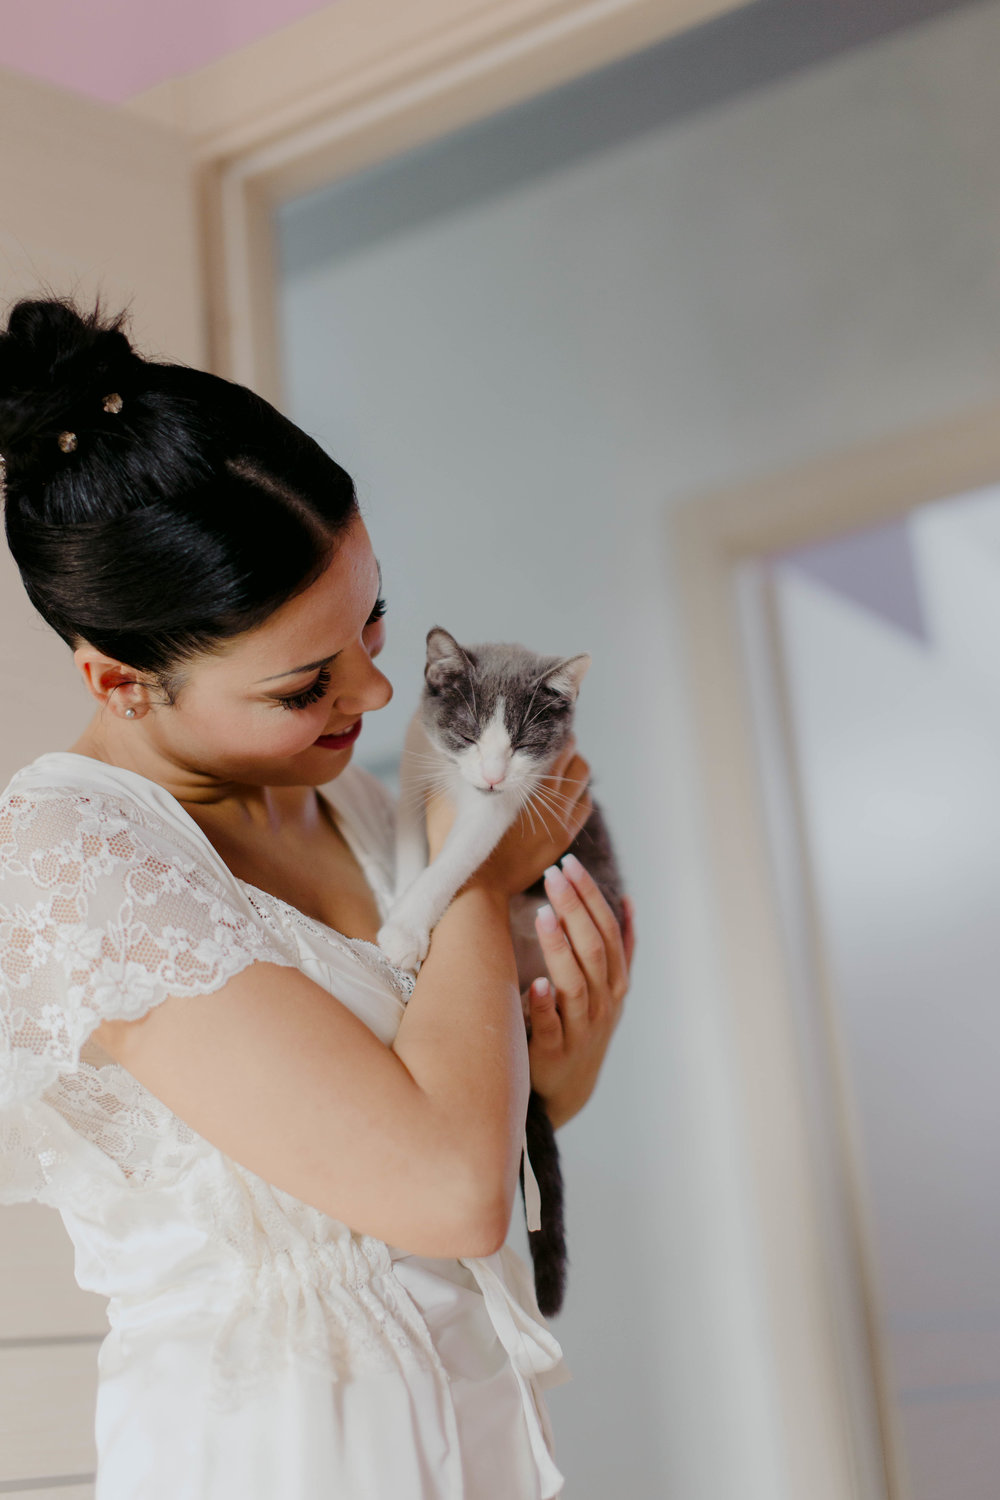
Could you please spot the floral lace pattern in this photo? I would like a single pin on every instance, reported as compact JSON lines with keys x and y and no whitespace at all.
{"x":102,"y":916}
{"x":111,"y":900}
{"x":274,"y":912}
{"x":104,"y":912}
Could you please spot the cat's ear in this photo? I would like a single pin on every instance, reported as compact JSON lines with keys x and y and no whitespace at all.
{"x":445,"y":657}
{"x":567,"y":676}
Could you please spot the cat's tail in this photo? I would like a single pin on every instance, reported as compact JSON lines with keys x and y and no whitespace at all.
{"x":548,"y":1244}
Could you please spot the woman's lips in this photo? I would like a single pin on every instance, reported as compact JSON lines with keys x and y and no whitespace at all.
{"x":340,"y":741}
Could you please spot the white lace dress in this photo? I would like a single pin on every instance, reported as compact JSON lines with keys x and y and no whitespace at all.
{"x":258,"y":1349}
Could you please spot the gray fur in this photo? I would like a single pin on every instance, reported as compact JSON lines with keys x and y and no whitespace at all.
{"x":495,"y":710}
{"x":463,"y":687}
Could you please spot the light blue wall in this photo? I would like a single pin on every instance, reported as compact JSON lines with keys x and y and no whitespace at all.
{"x":523,"y":382}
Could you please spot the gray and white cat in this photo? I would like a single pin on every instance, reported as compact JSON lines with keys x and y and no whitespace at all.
{"x":491,"y":722}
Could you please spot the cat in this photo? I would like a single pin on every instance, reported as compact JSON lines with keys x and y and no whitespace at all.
{"x":491,"y":722}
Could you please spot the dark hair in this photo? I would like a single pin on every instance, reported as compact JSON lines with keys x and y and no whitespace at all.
{"x":156,"y":531}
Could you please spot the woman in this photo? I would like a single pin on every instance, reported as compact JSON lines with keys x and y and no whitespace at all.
{"x":289,"y":1167}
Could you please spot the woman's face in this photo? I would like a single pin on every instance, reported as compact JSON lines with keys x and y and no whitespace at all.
{"x":281,"y":704}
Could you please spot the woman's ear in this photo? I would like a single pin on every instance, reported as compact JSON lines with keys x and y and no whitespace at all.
{"x":114,"y":685}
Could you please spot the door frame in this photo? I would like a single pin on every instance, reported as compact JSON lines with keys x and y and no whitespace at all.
{"x":355,"y":84}
{"x":822,"y":1313}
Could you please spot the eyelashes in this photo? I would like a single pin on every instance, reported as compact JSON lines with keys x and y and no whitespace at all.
{"x":315,"y":691}
{"x":311,"y":694}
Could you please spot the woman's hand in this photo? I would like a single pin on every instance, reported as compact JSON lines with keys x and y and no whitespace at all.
{"x":574,"y":1012}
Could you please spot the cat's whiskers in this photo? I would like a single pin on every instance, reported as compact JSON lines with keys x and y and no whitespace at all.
{"x":542,"y":799}
{"x":556,"y":798}
{"x":558,"y":801}
{"x":536,"y":802}
{"x":416,"y":797}
{"x":433,"y":771}
{"x":524,"y":806}
{"x":424,"y":782}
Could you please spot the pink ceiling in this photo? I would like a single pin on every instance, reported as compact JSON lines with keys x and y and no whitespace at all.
{"x":111,"y":49}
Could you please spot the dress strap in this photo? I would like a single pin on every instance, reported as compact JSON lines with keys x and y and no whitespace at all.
{"x":532,"y":1193}
{"x":532,"y":1351}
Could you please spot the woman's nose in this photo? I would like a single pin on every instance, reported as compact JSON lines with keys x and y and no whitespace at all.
{"x":367,"y":689}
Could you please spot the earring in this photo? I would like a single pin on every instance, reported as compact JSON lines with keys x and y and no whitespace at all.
{"x":130,"y":713}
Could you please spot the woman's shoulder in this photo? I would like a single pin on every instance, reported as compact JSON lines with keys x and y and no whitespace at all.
{"x":62,"y":798}
{"x":108,"y":906}
{"x":66,"y":772}
{"x":61,"y":791}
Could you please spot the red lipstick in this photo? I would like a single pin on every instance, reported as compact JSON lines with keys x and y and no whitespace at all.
{"x":340,"y":741}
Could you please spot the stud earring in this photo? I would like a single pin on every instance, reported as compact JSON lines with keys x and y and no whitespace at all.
{"x":130,"y":713}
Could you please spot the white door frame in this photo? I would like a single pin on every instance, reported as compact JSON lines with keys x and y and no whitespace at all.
{"x":357,"y":83}
{"x":808,"y":1312}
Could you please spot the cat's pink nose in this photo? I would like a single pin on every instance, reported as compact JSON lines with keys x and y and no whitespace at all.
{"x":493,"y":775}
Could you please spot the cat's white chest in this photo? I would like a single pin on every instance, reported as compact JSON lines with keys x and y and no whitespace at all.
{"x":424,"y":891}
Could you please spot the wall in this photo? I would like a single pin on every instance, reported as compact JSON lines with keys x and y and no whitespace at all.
{"x":67,"y":167}
{"x":523,"y":385}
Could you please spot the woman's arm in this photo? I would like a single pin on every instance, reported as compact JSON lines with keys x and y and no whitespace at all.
{"x":462,"y":1037}
{"x":416,"y":1143}
{"x":469,"y":1042}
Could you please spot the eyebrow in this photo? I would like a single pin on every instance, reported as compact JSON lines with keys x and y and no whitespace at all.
{"x":310,"y":666}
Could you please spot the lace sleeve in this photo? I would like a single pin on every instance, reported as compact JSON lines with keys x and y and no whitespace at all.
{"x":104,"y":912}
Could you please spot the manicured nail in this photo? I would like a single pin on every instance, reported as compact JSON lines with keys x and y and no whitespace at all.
{"x":546,"y":918}
{"x":556,"y":876}
{"x":540,"y":987}
{"x":570,"y":863}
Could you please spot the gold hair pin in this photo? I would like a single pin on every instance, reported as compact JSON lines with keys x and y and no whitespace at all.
{"x":112,"y":403}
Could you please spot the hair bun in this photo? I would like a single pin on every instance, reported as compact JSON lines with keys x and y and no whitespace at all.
{"x":56,"y":367}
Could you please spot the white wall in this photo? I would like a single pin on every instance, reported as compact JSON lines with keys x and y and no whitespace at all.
{"x":523,"y":387}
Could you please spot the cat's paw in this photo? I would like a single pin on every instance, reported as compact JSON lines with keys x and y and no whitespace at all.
{"x":403,"y":946}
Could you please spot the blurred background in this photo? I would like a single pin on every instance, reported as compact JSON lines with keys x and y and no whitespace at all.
{"x":671,"y":332}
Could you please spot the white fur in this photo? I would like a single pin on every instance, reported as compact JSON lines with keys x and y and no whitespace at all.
{"x":482,"y":817}
{"x":488,"y":783}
